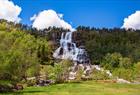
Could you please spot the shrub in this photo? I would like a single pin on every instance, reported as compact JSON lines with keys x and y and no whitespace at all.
{"x":127,"y":74}
{"x":137,"y":71}
{"x":115,"y":60}
{"x":111,"y":61}
{"x":99,"y":75}
{"x":18,"y":54}
{"x":59,"y":72}
{"x":125,"y":63}
{"x":79,"y":74}
{"x":5,"y":86}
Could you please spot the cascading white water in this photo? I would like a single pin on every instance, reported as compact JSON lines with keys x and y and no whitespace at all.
{"x":69,"y":50}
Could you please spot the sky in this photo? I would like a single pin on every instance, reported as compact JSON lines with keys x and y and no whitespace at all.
{"x":93,"y":13}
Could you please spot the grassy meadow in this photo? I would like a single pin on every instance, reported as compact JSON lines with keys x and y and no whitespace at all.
{"x":83,"y":88}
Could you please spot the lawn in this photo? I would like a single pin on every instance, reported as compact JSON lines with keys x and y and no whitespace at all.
{"x":83,"y":88}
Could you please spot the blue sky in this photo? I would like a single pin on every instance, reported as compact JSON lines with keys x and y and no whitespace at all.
{"x":94,"y":13}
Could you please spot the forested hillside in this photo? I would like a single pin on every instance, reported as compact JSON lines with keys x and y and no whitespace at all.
{"x":99,"y":42}
{"x":27,"y":52}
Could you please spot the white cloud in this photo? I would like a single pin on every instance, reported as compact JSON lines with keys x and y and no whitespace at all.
{"x":9,"y":11}
{"x":33,"y":17}
{"x":132,"y":21}
{"x":49,"y":18}
{"x":60,"y":15}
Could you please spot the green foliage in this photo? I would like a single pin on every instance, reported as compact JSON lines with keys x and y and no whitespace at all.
{"x":31,"y":82}
{"x":137,"y":71}
{"x":19,"y":53}
{"x":115,"y":60}
{"x":59,"y":72}
{"x":44,"y":52}
{"x":121,"y":67}
{"x":111,"y":61}
{"x":79,"y":74}
{"x":127,"y":74}
{"x":5,"y":86}
{"x":99,"y":42}
{"x":99,"y":75}
{"x":19,"y":57}
{"x":125,"y":63}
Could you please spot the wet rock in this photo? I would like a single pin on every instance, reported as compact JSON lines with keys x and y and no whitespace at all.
{"x":61,"y":51}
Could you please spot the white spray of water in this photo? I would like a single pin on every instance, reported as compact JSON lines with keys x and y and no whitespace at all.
{"x":69,"y":50}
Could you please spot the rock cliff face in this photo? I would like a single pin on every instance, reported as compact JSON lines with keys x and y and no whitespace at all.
{"x":77,"y":38}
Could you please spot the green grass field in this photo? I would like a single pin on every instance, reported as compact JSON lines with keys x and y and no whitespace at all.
{"x":84,"y":88}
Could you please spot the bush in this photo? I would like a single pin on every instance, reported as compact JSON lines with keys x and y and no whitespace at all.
{"x":18,"y":54}
{"x":79,"y":74}
{"x":111,"y":61}
{"x":115,"y":60}
{"x":5,"y":86}
{"x":99,"y":75}
{"x":137,"y":71}
{"x":127,"y":74}
{"x":125,"y":63}
{"x":59,"y":72}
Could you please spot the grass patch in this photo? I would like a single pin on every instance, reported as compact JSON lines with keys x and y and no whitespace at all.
{"x":83,"y":88}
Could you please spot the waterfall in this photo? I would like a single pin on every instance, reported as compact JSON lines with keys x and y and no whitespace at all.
{"x":69,"y":50}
